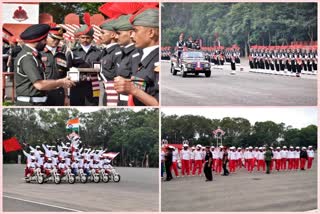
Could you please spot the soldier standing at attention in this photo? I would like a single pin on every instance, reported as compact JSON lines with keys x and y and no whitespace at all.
{"x":31,"y":85}
{"x":143,"y":86}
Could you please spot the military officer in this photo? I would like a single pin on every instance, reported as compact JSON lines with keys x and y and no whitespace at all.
{"x":31,"y":84}
{"x":55,"y":66}
{"x":86,"y":92}
{"x":143,"y":86}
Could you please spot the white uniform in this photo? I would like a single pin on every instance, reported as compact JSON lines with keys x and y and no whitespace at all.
{"x":284,"y":153}
{"x":185,"y":154}
{"x":277,"y":155}
{"x":290,"y":154}
{"x":310,"y":153}
{"x":162,"y":155}
{"x":260,"y":155}
{"x":250,"y":155}
{"x":48,"y":166}
{"x":198,"y":155}
{"x":175,"y":155}
{"x":233,"y":155}
{"x":296,"y":154}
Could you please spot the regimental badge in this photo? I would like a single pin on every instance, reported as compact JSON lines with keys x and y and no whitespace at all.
{"x":20,"y":14}
{"x":61,"y":62}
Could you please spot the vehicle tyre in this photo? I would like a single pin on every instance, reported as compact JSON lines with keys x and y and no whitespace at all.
{"x":184,"y":74}
{"x":116,"y":178}
{"x":40,"y":179}
{"x":83,"y":179}
{"x":96,"y":178}
{"x":57,"y":179}
{"x":105,"y":178}
{"x":208,"y":73}
{"x":71,"y":179}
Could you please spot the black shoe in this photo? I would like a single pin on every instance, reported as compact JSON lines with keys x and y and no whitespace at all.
{"x":208,"y":180}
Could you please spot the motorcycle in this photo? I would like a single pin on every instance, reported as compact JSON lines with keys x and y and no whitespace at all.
{"x":82,"y":177}
{"x":104,"y":176}
{"x":113,"y":174}
{"x":36,"y":176}
{"x":69,"y":176}
{"x":55,"y":176}
{"x":94,"y":176}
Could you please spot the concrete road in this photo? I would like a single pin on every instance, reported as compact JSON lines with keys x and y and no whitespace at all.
{"x":279,"y":191}
{"x":242,"y":89}
{"x":138,"y":190}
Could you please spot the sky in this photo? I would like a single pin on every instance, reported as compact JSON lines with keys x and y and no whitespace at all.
{"x":297,"y":117}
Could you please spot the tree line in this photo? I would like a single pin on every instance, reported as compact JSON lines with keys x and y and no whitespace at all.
{"x":134,"y":134}
{"x":244,"y":24}
{"x":239,"y":132}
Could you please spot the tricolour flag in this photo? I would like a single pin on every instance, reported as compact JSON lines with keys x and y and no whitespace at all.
{"x":73,"y":124}
{"x":11,"y":145}
{"x":111,"y":155}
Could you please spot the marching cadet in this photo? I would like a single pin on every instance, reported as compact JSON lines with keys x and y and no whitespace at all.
{"x":250,"y":157}
{"x":86,"y":92}
{"x":232,"y":159}
{"x":296,"y":158}
{"x":198,"y":160}
{"x":144,"y":83}
{"x":278,"y":158}
{"x":185,"y":160}
{"x":218,"y":168}
{"x":207,"y":165}
{"x":111,"y":54}
{"x":130,"y":54}
{"x":239,"y":156}
{"x":31,"y":85}
{"x":55,"y":64}
{"x":291,"y":158}
{"x":174,"y":166}
{"x":261,"y":160}
{"x":215,"y":157}
{"x":192,"y":158}
{"x":310,"y":156}
{"x":303,"y":158}
{"x":284,"y":156}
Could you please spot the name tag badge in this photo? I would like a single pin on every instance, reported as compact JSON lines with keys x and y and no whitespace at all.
{"x":124,"y":97}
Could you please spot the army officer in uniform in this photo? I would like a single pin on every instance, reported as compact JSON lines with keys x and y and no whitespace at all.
{"x":31,"y":85}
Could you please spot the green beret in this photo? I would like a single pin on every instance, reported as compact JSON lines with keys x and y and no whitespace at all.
{"x":122,"y":23}
{"x":148,"y":18}
{"x":108,"y":25}
{"x":85,"y":30}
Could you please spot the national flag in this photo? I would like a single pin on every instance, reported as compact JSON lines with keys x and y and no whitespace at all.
{"x":73,"y":124}
{"x":11,"y":145}
{"x":111,"y":155}
{"x":111,"y":93}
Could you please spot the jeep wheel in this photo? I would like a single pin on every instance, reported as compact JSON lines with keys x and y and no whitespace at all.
{"x":184,"y":74}
{"x":208,"y":73}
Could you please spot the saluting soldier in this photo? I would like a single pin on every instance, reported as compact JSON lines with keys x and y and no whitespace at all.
{"x":31,"y":84}
{"x":83,"y":56}
{"x":55,"y":66}
{"x":144,"y":83}
{"x":130,"y":54}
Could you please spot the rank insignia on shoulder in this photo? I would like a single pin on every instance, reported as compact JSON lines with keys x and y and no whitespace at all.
{"x":157,"y":67}
{"x":135,"y":55}
{"x":118,"y":53}
{"x":44,"y":59}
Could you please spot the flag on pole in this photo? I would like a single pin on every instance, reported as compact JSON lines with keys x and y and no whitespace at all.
{"x":73,"y":124}
{"x":11,"y":145}
{"x":111,"y":155}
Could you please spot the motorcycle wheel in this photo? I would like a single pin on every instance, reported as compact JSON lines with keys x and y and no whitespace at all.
{"x":116,"y":178}
{"x":40,"y":179}
{"x":71,"y":179}
{"x":83,"y":179}
{"x":57,"y":180}
{"x":96,"y":178}
{"x":105,"y":179}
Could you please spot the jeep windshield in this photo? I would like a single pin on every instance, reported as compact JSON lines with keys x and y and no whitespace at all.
{"x":192,"y":55}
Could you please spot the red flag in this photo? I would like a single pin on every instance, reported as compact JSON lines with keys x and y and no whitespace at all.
{"x":11,"y":145}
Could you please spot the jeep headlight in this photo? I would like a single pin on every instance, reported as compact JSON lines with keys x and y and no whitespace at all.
{"x":206,"y":65}
{"x":189,"y":65}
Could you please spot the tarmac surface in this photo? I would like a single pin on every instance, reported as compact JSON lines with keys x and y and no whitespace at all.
{"x":138,"y":190}
{"x":242,"y":89}
{"x":278,"y":191}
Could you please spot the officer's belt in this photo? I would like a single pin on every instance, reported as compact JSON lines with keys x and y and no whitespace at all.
{"x":32,"y":99}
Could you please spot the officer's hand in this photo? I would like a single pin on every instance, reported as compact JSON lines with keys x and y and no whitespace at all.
{"x":67,"y":83}
{"x":66,"y":101}
{"x":123,"y":86}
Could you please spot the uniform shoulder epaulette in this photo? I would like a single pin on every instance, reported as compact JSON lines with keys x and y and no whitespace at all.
{"x":118,"y":53}
{"x":135,"y":55}
{"x":157,"y":67}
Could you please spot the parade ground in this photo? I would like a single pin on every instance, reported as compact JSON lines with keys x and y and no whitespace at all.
{"x":138,"y":190}
{"x":278,"y":191}
{"x":243,"y":89}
